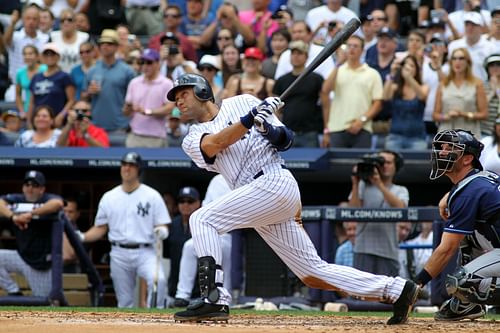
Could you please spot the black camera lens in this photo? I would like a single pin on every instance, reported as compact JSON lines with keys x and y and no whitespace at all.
{"x":173,"y":49}
{"x":332,"y":25}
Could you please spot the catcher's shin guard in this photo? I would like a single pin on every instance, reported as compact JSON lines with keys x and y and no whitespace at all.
{"x":209,"y":277}
{"x":466,"y":287}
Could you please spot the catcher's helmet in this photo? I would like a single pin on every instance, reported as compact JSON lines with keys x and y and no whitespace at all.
{"x":132,"y":158}
{"x":449,"y":146}
{"x":201,"y":87}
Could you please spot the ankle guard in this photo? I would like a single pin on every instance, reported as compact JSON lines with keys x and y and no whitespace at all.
{"x":207,"y":269}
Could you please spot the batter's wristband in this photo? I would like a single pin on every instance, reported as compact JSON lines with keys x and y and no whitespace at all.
{"x":423,"y":277}
{"x":247,"y":120}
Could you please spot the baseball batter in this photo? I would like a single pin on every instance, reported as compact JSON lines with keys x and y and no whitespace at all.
{"x":265,"y":196}
{"x":132,"y":214}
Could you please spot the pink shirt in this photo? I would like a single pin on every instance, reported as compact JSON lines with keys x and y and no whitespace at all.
{"x":149,"y":95}
{"x":247,"y":17}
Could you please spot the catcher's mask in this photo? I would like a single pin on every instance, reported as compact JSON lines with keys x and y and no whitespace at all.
{"x":449,"y":146}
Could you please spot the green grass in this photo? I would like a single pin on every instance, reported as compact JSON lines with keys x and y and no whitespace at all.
{"x":493,"y":317}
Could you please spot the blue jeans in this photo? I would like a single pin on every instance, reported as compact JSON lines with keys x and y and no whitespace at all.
{"x":398,"y":142}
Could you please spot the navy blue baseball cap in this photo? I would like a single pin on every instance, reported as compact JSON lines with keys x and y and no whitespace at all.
{"x":387,"y":32}
{"x":35,"y":176}
{"x":189,"y":192}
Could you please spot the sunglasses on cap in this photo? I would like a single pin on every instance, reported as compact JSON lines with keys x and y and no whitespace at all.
{"x":145,"y":62}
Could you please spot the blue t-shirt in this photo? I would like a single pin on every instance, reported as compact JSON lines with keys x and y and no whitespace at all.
{"x":108,"y":104}
{"x":51,"y":90}
{"x":24,"y":81}
{"x":478,"y":200}
{"x":408,"y":117}
{"x":78,"y":76}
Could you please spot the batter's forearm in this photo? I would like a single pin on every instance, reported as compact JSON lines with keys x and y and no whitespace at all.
{"x":212,"y":144}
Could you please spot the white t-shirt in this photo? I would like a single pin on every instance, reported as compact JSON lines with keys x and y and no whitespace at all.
{"x":489,"y":156}
{"x":457,"y":18}
{"x":431,"y":79}
{"x":323,"y":14}
{"x":70,"y":53}
{"x":131,"y":217}
{"x":285,"y":66}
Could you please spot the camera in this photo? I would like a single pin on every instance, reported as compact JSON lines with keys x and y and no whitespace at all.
{"x":332,"y":25}
{"x":80,"y":115}
{"x":366,"y":168}
{"x":276,"y":16}
{"x":173,"y":49}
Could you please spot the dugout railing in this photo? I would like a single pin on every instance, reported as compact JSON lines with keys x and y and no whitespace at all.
{"x":60,"y":225}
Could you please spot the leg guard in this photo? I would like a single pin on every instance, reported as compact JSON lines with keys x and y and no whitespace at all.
{"x":209,"y":279}
{"x":470,"y":288}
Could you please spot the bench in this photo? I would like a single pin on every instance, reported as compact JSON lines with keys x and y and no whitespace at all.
{"x":75,"y":288}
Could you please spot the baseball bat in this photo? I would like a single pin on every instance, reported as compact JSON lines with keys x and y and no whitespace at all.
{"x":154,"y":293}
{"x":339,"y":39}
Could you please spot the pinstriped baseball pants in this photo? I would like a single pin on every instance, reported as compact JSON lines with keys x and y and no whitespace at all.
{"x":271,"y":204}
{"x":40,"y":282}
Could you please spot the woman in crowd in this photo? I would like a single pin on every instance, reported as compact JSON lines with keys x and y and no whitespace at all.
{"x":87,"y":58}
{"x":251,"y":81}
{"x":231,"y":62}
{"x":490,"y":156}
{"x":279,"y":43}
{"x":52,"y":87}
{"x":224,"y":38}
{"x":43,"y":134}
{"x":23,"y":78}
{"x":68,"y":40}
{"x":461,"y":97}
{"x":492,"y":66}
{"x":208,"y":68}
{"x":406,"y":93}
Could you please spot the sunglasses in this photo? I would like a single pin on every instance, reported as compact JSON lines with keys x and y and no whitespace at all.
{"x":457,"y":58}
{"x":67,"y":19}
{"x":188,"y":201}
{"x":49,"y":53}
{"x":145,"y":62}
{"x":171,"y":15}
{"x":224,"y":38}
{"x":380,"y":19}
{"x":31,"y":184}
{"x":206,"y":68}
{"x":85,"y":51}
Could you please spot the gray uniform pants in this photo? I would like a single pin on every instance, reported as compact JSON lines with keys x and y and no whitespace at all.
{"x":11,"y":261}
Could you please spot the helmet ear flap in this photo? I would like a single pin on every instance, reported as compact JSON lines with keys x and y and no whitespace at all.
{"x":203,"y":93}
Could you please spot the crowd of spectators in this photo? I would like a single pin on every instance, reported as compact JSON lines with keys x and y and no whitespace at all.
{"x":436,"y":61}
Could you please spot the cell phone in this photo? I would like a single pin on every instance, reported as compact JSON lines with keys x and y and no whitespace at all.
{"x":131,"y":38}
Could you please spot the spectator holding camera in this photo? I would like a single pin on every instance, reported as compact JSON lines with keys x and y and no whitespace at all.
{"x":228,"y":21}
{"x":376,"y":249}
{"x":332,"y":11}
{"x":172,"y":61}
{"x":79,"y":130}
{"x":406,"y":93}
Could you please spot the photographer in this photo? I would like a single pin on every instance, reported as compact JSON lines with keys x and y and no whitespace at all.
{"x":376,"y":249}
{"x":172,"y":61}
{"x":79,"y":130}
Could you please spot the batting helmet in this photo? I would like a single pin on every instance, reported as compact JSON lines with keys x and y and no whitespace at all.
{"x":132,"y":158}
{"x":449,"y":146}
{"x":201,"y":87}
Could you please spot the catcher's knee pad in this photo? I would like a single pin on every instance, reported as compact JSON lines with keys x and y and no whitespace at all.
{"x":209,"y":277}
{"x":471,"y":288}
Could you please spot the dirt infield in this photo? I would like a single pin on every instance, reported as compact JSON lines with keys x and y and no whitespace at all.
{"x":106,"y":322}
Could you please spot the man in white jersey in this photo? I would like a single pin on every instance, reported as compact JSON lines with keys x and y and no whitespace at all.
{"x":265,"y":197}
{"x":133,"y":214}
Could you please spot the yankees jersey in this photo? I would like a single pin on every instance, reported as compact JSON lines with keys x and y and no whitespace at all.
{"x":132,"y":216}
{"x":473,"y":205}
{"x":241,"y":161}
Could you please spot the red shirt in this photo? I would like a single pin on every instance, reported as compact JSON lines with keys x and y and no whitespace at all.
{"x":95,"y":132}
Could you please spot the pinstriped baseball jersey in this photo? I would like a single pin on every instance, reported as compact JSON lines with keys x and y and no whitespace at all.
{"x":242,"y":160}
{"x":131,"y":217}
